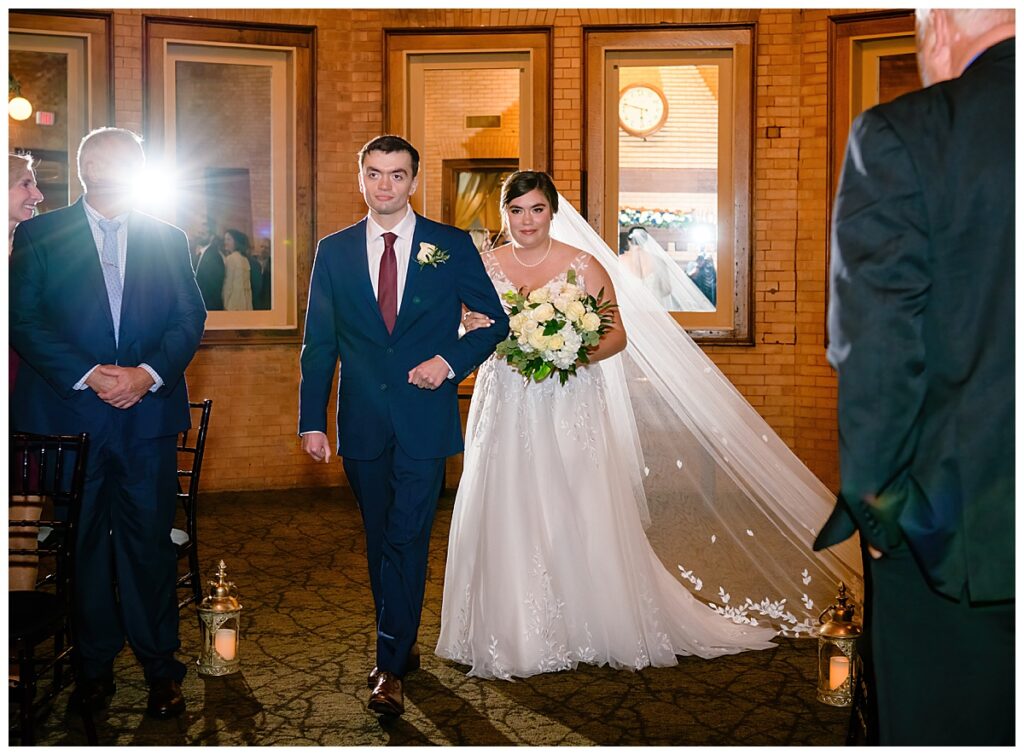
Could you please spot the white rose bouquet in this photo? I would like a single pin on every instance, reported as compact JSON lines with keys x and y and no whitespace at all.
{"x":552,"y":329}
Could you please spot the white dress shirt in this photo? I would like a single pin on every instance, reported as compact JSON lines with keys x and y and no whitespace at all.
{"x":403,"y":253}
{"x":94,"y":219}
{"x":403,"y":249}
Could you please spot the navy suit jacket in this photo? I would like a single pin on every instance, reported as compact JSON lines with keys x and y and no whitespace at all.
{"x":343,"y":321}
{"x":60,"y":323}
{"x":210,"y":277}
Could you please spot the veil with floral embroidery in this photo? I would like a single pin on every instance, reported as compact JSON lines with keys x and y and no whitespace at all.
{"x":728,"y":507}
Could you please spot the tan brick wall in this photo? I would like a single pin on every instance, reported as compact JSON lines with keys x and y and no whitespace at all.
{"x":785,"y":376}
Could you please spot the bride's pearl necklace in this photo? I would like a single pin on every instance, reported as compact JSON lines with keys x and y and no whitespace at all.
{"x":538,"y":262}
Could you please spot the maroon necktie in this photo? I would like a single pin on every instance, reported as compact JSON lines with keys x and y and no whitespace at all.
{"x":387,"y":283}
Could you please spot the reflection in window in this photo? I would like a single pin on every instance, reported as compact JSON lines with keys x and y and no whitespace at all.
{"x":472,"y":197}
{"x":49,"y":72}
{"x":223,"y":153}
{"x":228,"y":173}
{"x":668,"y":155}
{"x":467,"y":116}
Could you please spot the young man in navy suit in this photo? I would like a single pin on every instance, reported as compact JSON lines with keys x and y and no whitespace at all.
{"x":106,"y":316}
{"x":386,"y":298}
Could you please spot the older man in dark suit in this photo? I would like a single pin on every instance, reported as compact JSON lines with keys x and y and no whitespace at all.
{"x":921,"y":326}
{"x":106,"y":316}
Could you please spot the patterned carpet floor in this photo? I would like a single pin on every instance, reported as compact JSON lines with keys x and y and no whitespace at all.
{"x":307,"y":643}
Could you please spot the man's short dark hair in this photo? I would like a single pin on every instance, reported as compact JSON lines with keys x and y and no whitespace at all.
{"x":387,"y":144}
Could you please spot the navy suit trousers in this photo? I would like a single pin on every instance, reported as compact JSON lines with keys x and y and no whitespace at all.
{"x":397,"y":498}
{"x":128,"y":510}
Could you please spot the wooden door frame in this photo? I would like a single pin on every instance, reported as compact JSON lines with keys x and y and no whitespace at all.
{"x":842,"y":30}
{"x":400,"y":44}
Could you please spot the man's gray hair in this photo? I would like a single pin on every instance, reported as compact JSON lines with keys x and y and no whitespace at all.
{"x":99,"y":137}
{"x":973,"y":22}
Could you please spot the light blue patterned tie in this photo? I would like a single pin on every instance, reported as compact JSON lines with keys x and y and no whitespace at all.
{"x":112,"y":271}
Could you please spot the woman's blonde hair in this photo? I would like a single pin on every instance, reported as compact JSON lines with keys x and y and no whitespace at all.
{"x":17,"y":165}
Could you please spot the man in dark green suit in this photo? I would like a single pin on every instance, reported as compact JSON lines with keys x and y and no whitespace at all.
{"x":921,"y":329}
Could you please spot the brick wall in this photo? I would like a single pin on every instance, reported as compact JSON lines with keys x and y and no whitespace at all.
{"x":785,"y":376}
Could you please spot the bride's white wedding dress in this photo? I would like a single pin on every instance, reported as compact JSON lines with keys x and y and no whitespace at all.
{"x":548,"y":562}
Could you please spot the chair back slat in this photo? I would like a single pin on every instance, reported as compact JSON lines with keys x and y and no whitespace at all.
{"x":191,"y":448}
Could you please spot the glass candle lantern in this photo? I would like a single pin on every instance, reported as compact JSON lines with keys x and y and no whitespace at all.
{"x":838,"y":662}
{"x":219,"y":619}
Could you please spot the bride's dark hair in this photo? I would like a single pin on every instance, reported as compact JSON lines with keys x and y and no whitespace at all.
{"x":523,"y":182}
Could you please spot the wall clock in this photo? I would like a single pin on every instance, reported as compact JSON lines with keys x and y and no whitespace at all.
{"x":643,"y":109}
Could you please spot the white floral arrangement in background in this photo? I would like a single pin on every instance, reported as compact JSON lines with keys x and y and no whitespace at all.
{"x":553,"y":329}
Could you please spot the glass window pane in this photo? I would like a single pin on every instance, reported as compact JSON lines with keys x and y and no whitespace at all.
{"x":470,"y":114}
{"x":668,"y":181}
{"x":49,"y":72}
{"x":223,"y":157}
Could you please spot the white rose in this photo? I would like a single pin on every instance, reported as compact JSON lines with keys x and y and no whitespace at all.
{"x":538,"y":340}
{"x":575,"y":311}
{"x":539,"y":295}
{"x":590,"y":322}
{"x":561,"y":302}
{"x":571,"y":291}
{"x":555,"y":342}
{"x":515,"y":322}
{"x":425,"y":253}
{"x":529,"y":326}
{"x":543,"y":312}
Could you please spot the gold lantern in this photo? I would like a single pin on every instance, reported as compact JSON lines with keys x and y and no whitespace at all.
{"x":218,"y":617}
{"x":838,"y":661}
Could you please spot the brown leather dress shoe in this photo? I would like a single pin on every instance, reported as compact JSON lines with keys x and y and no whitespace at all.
{"x":92,"y":695}
{"x":386,"y":698}
{"x":165,"y":699}
{"x":412,"y":663}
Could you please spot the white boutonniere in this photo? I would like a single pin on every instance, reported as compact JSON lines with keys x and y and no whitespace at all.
{"x":430,"y":254}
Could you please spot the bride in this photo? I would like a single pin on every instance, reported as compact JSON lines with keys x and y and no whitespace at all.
{"x":548,"y":562}
{"x":646,"y":260}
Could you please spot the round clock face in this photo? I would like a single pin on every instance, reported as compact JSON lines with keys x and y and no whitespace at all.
{"x":642,"y":109}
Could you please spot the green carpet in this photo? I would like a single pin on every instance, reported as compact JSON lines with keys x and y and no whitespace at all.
{"x":307,"y":644}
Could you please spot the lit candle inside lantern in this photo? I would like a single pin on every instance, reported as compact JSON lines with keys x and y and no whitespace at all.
{"x":838,"y":671}
{"x":224,"y":644}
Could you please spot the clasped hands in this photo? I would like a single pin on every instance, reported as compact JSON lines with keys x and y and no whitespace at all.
{"x":121,"y":387}
{"x":429,"y":374}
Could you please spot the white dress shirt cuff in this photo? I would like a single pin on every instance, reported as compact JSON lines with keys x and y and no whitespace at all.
{"x":157,"y":380}
{"x":451,"y":372}
{"x":80,"y":385}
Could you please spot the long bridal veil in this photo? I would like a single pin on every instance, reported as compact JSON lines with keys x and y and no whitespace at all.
{"x":662,"y":275}
{"x":728,"y":507}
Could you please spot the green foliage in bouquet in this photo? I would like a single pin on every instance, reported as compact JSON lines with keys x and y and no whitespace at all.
{"x":553,"y":329}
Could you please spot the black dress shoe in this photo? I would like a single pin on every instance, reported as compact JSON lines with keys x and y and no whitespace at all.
{"x":165,"y":699}
{"x":412,"y":663}
{"x":386,"y":698}
{"x":92,"y":695}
